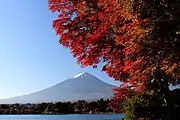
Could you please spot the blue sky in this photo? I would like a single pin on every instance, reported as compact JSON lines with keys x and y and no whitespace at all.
{"x":30,"y":57}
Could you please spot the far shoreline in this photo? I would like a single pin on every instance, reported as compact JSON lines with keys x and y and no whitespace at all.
{"x":62,"y":114}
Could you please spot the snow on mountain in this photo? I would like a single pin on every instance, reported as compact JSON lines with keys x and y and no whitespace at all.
{"x":80,"y":75}
{"x":83,"y":86}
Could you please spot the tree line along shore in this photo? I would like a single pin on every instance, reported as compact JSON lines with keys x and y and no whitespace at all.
{"x":78,"y":107}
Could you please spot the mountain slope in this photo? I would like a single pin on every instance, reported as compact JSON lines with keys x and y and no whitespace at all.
{"x":83,"y":86}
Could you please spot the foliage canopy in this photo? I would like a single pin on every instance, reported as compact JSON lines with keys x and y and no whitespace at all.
{"x":132,"y":38}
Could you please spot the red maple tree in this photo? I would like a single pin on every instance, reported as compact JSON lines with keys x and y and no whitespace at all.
{"x":114,"y":33}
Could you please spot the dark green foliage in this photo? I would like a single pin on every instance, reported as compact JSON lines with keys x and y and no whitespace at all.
{"x":156,"y":102}
{"x":78,"y":107}
{"x":41,"y":107}
{"x":102,"y":105}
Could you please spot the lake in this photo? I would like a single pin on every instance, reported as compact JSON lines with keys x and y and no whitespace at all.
{"x":63,"y":117}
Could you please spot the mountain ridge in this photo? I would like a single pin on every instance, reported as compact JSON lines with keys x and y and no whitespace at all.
{"x":82,"y":86}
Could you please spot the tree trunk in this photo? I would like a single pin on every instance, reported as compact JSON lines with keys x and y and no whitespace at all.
{"x":161,"y":89}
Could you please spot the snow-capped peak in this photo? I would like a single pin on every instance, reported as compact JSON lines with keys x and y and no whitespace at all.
{"x":79,"y":75}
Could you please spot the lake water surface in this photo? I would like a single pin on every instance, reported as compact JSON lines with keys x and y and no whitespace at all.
{"x":63,"y":117}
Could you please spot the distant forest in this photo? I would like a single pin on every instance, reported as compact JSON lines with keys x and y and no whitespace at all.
{"x":78,"y":107}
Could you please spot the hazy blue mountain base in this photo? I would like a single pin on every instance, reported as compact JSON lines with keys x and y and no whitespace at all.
{"x":83,"y":86}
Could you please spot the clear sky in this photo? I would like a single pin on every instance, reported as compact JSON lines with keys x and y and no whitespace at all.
{"x":30,"y":57}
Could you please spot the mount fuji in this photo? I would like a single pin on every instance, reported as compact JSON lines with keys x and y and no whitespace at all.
{"x":83,"y":86}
